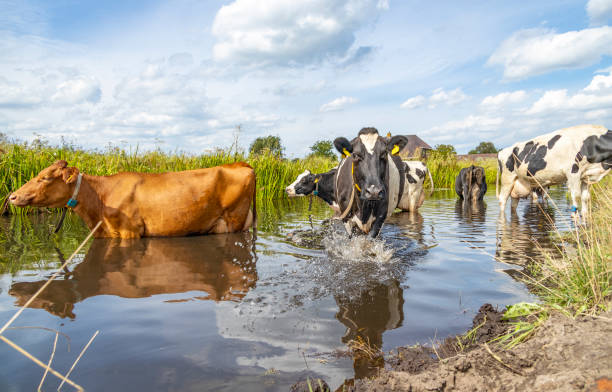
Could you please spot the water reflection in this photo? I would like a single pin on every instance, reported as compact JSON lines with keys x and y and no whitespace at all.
{"x":222,"y":266}
{"x":367,"y":317}
{"x":472,"y":213}
{"x":517,"y":237}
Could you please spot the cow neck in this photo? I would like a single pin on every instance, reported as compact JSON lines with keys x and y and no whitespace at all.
{"x":90,"y":206}
{"x":355,"y":186}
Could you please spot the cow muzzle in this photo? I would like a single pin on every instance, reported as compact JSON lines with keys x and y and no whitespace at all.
{"x":373,"y":192}
{"x":20,"y":200}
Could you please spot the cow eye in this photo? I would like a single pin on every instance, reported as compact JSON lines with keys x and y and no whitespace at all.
{"x":357,"y":157}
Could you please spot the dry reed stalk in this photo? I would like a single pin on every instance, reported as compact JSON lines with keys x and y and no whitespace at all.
{"x":42,"y":380}
{"x":39,"y":363}
{"x":79,"y":357}
{"x":44,"y":286}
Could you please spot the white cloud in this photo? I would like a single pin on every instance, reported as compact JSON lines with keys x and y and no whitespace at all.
{"x":79,"y":90}
{"x":413,"y":103}
{"x":287,"y":32}
{"x":504,"y":98}
{"x":599,"y":11}
{"x":452,"y":97}
{"x":600,"y":83}
{"x":338,"y":104}
{"x":559,"y":100}
{"x":470,"y":123}
{"x":537,"y":51}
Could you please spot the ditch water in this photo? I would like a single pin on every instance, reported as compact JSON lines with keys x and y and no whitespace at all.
{"x":227,"y":313}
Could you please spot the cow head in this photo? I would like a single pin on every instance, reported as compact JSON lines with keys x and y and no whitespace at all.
{"x":52,"y":187}
{"x":303,"y":185}
{"x":370,"y":155}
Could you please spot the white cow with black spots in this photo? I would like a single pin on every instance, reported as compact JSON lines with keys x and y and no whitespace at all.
{"x":579,"y":155}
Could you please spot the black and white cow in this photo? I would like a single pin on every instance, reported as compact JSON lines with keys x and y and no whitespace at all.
{"x":414,"y":195}
{"x":471,"y":183}
{"x":579,"y":155}
{"x":370,"y":180}
{"x":321,"y":185}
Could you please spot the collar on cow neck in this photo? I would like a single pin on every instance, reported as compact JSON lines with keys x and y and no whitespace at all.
{"x":72,"y":202}
{"x":353,"y":176}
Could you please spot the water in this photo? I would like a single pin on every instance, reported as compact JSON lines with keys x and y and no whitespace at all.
{"x":228,"y":313}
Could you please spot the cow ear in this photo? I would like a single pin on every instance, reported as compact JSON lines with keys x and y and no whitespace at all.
{"x":396,"y":144}
{"x":69,"y":174}
{"x":343,"y":146}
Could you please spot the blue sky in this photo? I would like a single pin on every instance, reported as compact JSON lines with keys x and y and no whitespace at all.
{"x":183,"y":75}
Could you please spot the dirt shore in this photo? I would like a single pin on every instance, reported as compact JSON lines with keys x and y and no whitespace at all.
{"x":563,"y":355}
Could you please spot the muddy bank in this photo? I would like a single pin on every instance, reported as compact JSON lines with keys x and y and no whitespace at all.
{"x":563,"y":355}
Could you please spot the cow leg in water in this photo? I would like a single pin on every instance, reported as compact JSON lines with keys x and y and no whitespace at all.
{"x":504,"y":194}
{"x":585,"y":198}
{"x":514,"y":204}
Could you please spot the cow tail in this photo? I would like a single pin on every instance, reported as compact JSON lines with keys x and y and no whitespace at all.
{"x":430,"y":180}
{"x":255,"y":204}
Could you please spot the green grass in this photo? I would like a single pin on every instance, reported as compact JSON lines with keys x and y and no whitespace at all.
{"x":21,"y":162}
{"x":574,"y":279}
{"x":444,"y":169}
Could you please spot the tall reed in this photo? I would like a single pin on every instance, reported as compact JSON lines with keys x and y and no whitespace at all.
{"x":21,"y":162}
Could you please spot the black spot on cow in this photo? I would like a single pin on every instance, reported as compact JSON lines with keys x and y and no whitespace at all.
{"x":536,"y":160}
{"x":420,"y":173}
{"x":530,"y":146}
{"x":552,"y":141}
{"x":410,"y":179}
{"x":574,"y":168}
{"x":499,"y":165}
{"x":598,"y":149}
{"x":511,"y":159}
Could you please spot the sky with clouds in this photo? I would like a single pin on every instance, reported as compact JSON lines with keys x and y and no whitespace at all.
{"x":182,"y":75}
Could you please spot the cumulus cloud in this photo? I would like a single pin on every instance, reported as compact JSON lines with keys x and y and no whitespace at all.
{"x":504,"y":98}
{"x":452,"y":97}
{"x":286,"y":32}
{"x":537,"y":51}
{"x":337,"y":104}
{"x":557,"y":100}
{"x":599,"y":11}
{"x":414,"y":102}
{"x":78,"y":90}
{"x":470,"y":123}
{"x":600,"y":83}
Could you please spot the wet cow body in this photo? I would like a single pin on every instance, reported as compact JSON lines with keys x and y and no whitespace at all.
{"x":579,"y":155}
{"x":370,"y":180}
{"x":134,"y":205}
{"x":471,"y":183}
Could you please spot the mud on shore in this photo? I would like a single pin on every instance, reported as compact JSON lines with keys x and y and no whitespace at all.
{"x":564,"y":355}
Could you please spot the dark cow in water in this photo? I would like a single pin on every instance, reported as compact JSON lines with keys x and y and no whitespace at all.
{"x":579,"y":155}
{"x":369,"y":182}
{"x":471,"y":183}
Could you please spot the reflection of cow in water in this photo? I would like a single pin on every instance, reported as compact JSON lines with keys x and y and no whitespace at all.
{"x":471,"y":183}
{"x":223,"y":266}
{"x":367,"y":317}
{"x":471,"y":212}
{"x":515,"y":239}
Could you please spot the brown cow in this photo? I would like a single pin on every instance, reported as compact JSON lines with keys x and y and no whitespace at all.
{"x":133,"y":205}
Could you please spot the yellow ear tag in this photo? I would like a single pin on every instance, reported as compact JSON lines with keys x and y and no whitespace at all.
{"x":69,"y":178}
{"x":345,"y":152}
{"x":316,"y":180}
{"x":395,"y":150}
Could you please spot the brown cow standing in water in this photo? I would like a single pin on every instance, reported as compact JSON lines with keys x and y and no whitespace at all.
{"x":133,"y":205}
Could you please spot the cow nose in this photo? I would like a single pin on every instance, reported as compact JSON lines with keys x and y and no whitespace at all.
{"x":374,"y":192}
{"x":13,"y":197}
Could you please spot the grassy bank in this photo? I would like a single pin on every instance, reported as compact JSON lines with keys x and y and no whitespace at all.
{"x":576,"y":278}
{"x":21,"y":162}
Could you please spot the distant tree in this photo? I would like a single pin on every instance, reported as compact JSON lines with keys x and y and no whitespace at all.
{"x":484,"y":148}
{"x":445,"y":149}
{"x":271,"y":144}
{"x":323,"y":148}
